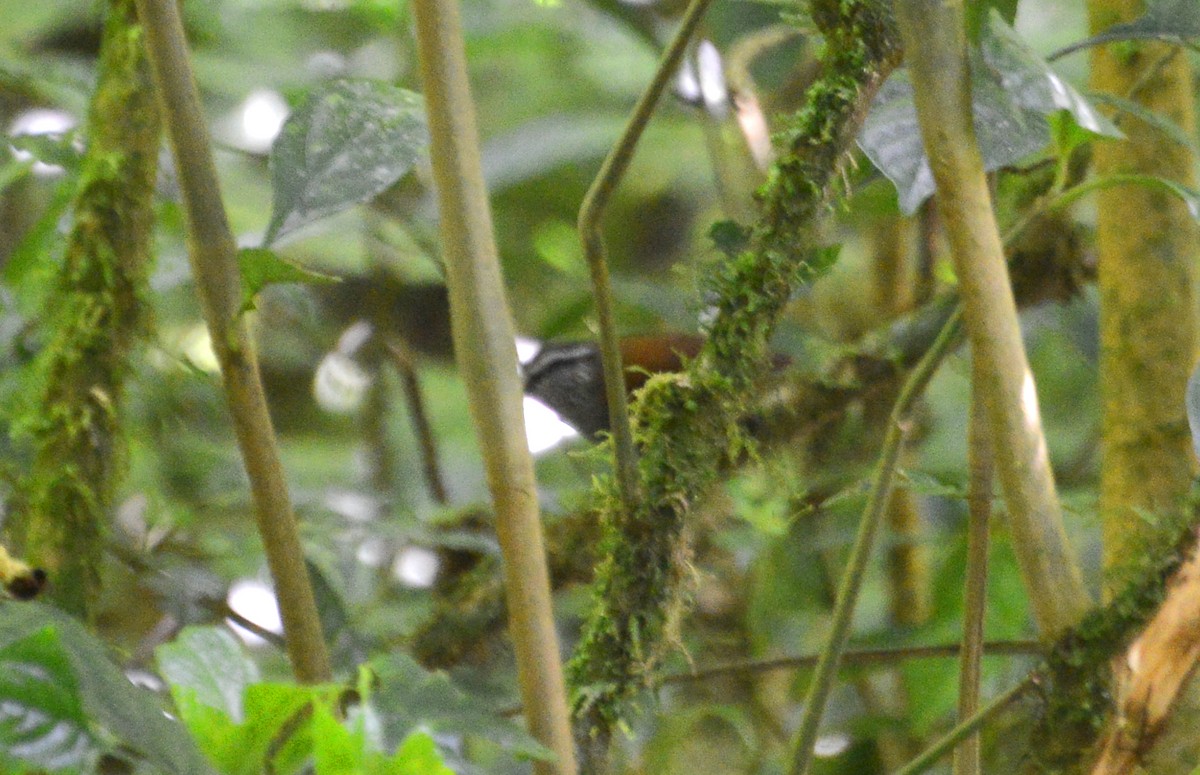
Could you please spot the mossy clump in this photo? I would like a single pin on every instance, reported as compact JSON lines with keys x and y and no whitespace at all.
{"x":686,"y":425}
{"x":1077,"y":690}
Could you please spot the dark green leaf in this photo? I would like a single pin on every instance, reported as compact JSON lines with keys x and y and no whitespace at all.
{"x":410,"y":697}
{"x":261,"y":267}
{"x":209,"y":662}
{"x":891,"y":137}
{"x":349,"y":141}
{"x":1030,"y":81}
{"x":131,"y":715}
{"x":32,"y":256}
{"x":56,"y":148}
{"x":978,"y":12}
{"x":1170,"y":20}
{"x":42,"y":722}
{"x":730,"y":237}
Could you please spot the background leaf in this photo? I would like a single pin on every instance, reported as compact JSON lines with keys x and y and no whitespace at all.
{"x":410,"y":697}
{"x":1170,"y":20}
{"x":210,"y":662}
{"x":130,"y":714}
{"x":891,"y":136}
{"x":349,"y":141}
{"x":42,"y":722}
{"x":1031,"y":82}
{"x":260,"y":267}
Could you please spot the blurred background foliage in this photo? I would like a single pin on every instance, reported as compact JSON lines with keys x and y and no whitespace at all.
{"x":553,"y":81}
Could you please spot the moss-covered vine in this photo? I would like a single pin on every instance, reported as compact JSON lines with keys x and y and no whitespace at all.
{"x":1077,"y":685}
{"x":686,"y":425}
{"x":96,"y":311}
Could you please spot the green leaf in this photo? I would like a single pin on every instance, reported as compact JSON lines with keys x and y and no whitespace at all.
{"x":980,"y":11}
{"x":1174,"y":21}
{"x":349,"y":141}
{"x":418,"y":755}
{"x":32,"y":257}
{"x":260,"y":267}
{"x":42,"y":722}
{"x":210,"y":663}
{"x":56,"y":148}
{"x":730,"y":237}
{"x":891,"y":137}
{"x":131,"y":715}
{"x":409,"y":697}
{"x":1157,"y":120}
{"x":13,"y":170}
{"x":277,"y":725}
{"x":1030,"y":81}
{"x":1189,"y":197}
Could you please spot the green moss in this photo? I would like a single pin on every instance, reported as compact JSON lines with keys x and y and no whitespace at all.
{"x":1077,"y":691}
{"x":686,"y":425}
{"x":95,"y":313}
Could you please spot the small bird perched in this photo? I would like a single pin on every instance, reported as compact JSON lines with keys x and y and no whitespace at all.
{"x":569,"y":377}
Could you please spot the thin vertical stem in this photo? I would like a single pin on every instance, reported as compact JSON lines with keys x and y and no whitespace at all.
{"x":591,"y":213}
{"x":864,"y":542}
{"x":979,"y":505}
{"x":485,"y":348}
{"x":935,"y":50}
{"x":212,"y":251}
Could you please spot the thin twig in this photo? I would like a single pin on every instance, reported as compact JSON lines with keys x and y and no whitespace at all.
{"x":851,"y":583}
{"x":979,"y":506}
{"x":855,"y":658}
{"x":591,"y":213}
{"x":430,"y":460}
{"x":964,"y":728}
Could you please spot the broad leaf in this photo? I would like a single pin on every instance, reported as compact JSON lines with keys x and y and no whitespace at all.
{"x":891,"y":136}
{"x":42,"y":722}
{"x":1012,"y":92}
{"x":1175,"y":21}
{"x":349,"y":141}
{"x":1139,"y":111}
{"x":260,"y":267}
{"x":409,"y":698}
{"x":1030,"y":81}
{"x":979,"y":12}
{"x":131,"y":715}
{"x":210,"y":663}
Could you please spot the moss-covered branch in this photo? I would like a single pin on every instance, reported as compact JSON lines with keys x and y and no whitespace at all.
{"x":96,"y":313}
{"x":687,"y":424}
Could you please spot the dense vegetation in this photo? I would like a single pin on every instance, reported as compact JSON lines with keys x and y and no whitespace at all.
{"x":857,"y":384}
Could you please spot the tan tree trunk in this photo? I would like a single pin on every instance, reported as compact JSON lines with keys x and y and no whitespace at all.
{"x":1148,"y":251}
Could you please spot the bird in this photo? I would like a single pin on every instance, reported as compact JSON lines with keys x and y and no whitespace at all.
{"x":568,"y":377}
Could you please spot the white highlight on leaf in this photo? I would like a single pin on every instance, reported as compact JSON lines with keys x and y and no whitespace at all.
{"x":40,"y":121}
{"x":262,"y":115}
{"x":416,"y":567}
{"x":255,"y":601}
